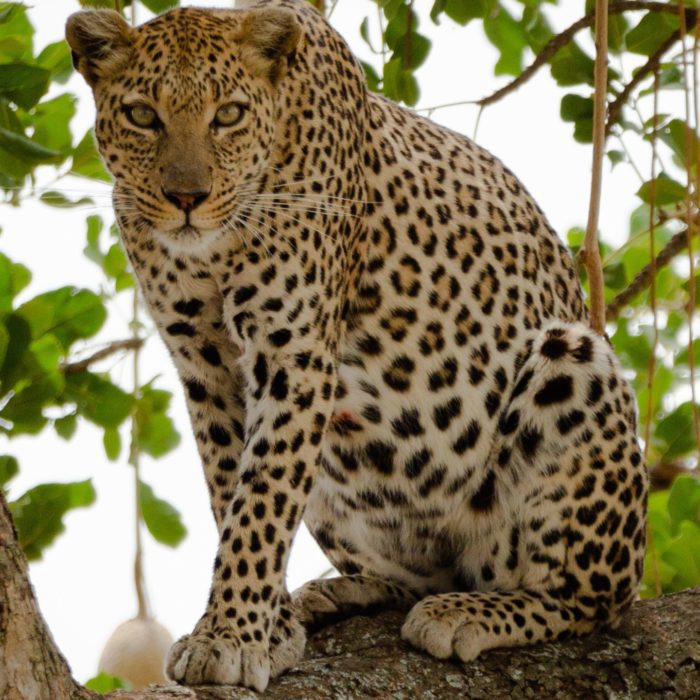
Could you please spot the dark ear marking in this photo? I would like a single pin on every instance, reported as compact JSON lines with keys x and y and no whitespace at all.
{"x":100,"y":42}
{"x":269,"y":37}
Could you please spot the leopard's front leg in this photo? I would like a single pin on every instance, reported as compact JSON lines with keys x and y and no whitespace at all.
{"x":289,"y":373}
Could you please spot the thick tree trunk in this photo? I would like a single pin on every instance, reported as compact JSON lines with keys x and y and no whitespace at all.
{"x":31,"y":667}
{"x":655,"y":653}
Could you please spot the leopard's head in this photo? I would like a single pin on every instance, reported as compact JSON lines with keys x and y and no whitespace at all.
{"x":187,"y":111}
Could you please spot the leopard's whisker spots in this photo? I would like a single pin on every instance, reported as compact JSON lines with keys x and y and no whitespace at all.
{"x":294,"y":218}
{"x":301,"y":208}
{"x":256,"y":233}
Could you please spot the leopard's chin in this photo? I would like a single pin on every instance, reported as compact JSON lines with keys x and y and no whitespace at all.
{"x":188,"y":239}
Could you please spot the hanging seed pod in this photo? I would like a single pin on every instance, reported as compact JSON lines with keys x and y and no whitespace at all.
{"x":136,"y":652}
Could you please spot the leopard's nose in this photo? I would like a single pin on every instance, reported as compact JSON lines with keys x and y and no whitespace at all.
{"x":186,"y":201}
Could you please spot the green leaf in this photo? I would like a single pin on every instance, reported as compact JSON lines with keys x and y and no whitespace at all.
{"x":674,"y":134}
{"x":69,"y":313}
{"x":112,"y":442}
{"x":162,"y":520}
{"x":616,"y":157}
{"x":461,"y":11}
{"x":571,"y":66}
{"x":97,"y":399}
{"x":156,"y":433}
{"x":578,"y":109}
{"x":16,"y":34}
{"x":664,"y":190}
{"x":52,"y":123}
{"x":56,"y":59}
{"x":25,"y":150}
{"x":65,"y":427}
{"x":19,"y":338}
{"x":684,"y":501}
{"x":38,"y":513}
{"x":509,"y":38}
{"x":104,"y":683}
{"x":371,"y":76}
{"x":25,"y":409}
{"x":58,"y":199}
{"x":47,"y":351}
{"x":413,"y":53}
{"x":617,"y":29}
{"x":23,"y":84}
{"x":4,"y":342}
{"x":399,"y":25}
{"x":158,"y":6}
{"x":86,"y":160}
{"x":9,"y":467}
{"x":653,"y":29}
{"x":115,"y":262}
{"x":674,"y":435}
{"x":684,"y":555}
{"x":92,"y":250}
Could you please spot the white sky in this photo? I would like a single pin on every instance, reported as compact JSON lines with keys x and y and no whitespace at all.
{"x":84,"y":583}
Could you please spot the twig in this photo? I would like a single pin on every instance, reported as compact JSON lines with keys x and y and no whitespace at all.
{"x":111,"y":349}
{"x":651,"y":366}
{"x":689,"y":136}
{"x":591,"y":250}
{"x":615,"y":108}
{"x":563,"y":38}
{"x":643,"y":278}
{"x":135,"y":461}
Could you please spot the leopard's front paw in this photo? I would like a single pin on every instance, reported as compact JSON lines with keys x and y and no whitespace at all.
{"x":287,"y":642}
{"x":443,"y":629}
{"x":201,"y":658}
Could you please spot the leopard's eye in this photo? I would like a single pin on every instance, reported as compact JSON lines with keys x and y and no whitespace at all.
{"x":229,"y":114}
{"x":142,"y":116}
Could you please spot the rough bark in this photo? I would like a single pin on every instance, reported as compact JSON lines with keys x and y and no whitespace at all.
{"x":654,"y":654}
{"x":31,"y":667}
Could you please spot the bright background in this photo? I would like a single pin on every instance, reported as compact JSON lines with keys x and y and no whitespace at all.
{"x":84,"y":582}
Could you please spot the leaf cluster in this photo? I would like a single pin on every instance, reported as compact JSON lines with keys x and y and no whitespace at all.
{"x":45,"y":379}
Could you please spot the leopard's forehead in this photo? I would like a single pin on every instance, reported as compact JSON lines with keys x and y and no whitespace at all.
{"x":187,"y":56}
{"x":189,"y":30}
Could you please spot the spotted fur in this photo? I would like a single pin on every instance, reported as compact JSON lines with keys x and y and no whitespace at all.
{"x":376,"y":330}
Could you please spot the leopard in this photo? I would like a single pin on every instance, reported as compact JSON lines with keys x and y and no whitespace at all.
{"x":377,"y":332}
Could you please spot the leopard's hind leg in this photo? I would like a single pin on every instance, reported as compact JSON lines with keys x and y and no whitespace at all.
{"x":566,"y":482}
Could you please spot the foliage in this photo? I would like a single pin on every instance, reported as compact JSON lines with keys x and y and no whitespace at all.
{"x":673,"y":550}
{"x":46,"y":380}
{"x":651,"y":329}
{"x":104,"y":683}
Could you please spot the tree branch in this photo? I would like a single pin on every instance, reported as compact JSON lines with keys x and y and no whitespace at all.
{"x":654,"y":653}
{"x":642,"y":279}
{"x":563,"y":38}
{"x":615,"y":108}
{"x":591,"y":250}
{"x":111,"y":349}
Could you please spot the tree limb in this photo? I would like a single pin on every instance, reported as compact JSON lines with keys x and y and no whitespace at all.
{"x":111,"y":349}
{"x":654,"y":653}
{"x":615,"y":108}
{"x":563,"y":38}
{"x":642,"y":279}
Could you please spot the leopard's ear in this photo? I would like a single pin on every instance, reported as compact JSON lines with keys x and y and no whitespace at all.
{"x":269,"y":37}
{"x":100,"y":42}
